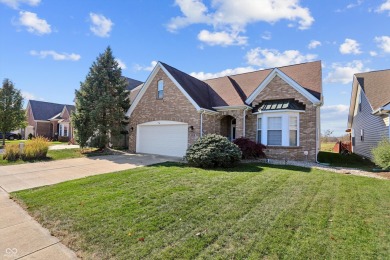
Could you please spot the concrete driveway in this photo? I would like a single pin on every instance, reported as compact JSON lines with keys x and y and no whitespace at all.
{"x":21,"y":237}
{"x":31,"y":175}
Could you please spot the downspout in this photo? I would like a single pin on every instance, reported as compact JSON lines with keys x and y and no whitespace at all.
{"x":318,"y":132}
{"x":201,"y":123}
{"x":243,"y":124}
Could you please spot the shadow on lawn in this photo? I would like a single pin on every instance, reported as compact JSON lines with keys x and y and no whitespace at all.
{"x":242,"y":167}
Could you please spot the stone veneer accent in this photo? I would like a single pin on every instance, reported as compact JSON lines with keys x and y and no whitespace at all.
{"x":176,"y":107}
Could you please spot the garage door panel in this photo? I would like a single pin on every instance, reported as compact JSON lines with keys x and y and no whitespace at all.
{"x":163,"y":139}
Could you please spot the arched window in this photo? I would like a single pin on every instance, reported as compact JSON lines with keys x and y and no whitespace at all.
{"x":160,"y":89}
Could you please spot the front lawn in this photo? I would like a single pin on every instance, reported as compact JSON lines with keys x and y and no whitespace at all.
{"x":347,"y":161}
{"x":254,"y":211}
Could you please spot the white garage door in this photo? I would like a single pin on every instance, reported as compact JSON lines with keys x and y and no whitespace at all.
{"x":162,"y":137}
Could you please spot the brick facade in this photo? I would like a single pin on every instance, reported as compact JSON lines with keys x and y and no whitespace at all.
{"x":173,"y":107}
{"x":279,"y":89}
{"x":176,"y":107}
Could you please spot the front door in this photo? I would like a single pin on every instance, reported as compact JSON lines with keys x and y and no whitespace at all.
{"x":233,"y":130}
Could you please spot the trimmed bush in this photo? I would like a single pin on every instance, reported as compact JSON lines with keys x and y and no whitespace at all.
{"x":381,"y":154}
{"x":212,"y":151}
{"x":11,"y":152}
{"x":63,"y":139}
{"x":249,"y":148}
{"x":36,"y":148}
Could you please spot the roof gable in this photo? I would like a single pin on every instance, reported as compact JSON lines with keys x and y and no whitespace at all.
{"x":44,"y":110}
{"x":288,"y":80}
{"x":376,"y":86}
{"x":144,"y":87}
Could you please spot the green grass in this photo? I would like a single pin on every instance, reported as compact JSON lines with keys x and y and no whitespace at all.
{"x":253,"y":211}
{"x":348,"y":161}
{"x":58,"y":155}
{"x":327,"y":146}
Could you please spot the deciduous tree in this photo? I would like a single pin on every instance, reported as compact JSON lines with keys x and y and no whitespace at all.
{"x":12,"y":115}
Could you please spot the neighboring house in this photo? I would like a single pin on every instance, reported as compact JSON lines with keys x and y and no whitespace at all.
{"x":132,"y":83}
{"x":49,"y":119}
{"x":278,"y":107}
{"x":369,"y":111}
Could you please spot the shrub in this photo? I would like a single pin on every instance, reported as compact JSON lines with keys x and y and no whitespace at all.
{"x":212,"y":151}
{"x":381,"y":154}
{"x":249,"y":148}
{"x":63,"y":139}
{"x":36,"y":148}
{"x":30,"y":136}
{"x":11,"y":152}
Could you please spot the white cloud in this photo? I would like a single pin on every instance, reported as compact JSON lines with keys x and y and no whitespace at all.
{"x":232,"y":16}
{"x":29,"y":96}
{"x":355,"y":4}
{"x":314,"y":44}
{"x":267,"y":35}
{"x":344,"y":73}
{"x":101,"y":26}
{"x":221,"y":38}
{"x":194,"y":11}
{"x":33,"y":23}
{"x":16,"y":3}
{"x":121,"y":64}
{"x":385,"y":7}
{"x":138,"y":67}
{"x":373,"y":53}
{"x":206,"y":75}
{"x":335,"y":117}
{"x":350,"y":46}
{"x":55,"y":55}
{"x":273,"y":58}
{"x":238,"y":14}
{"x":383,"y":43}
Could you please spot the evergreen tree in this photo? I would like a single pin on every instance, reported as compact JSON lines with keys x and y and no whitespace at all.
{"x":12,"y":115}
{"x":101,"y":102}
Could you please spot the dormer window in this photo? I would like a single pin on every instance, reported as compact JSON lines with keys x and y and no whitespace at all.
{"x":160,"y":89}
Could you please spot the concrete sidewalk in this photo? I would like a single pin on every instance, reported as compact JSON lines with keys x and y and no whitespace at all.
{"x":31,"y":175}
{"x":21,"y":237}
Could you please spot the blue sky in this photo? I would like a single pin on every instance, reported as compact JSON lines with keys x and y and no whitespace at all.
{"x":47,"y":47}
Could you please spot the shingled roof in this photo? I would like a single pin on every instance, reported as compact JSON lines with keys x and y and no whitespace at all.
{"x":132,"y":83}
{"x":45,"y":110}
{"x":376,"y":86}
{"x":235,"y":89}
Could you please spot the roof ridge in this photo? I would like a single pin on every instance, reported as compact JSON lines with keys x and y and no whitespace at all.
{"x":371,"y":71}
{"x":50,"y":102}
{"x":272,"y":68}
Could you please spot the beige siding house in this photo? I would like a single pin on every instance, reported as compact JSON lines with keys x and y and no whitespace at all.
{"x":279,"y":107}
{"x":369,"y":111}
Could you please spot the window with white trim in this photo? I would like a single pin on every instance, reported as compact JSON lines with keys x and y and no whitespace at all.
{"x":362,"y":135}
{"x":65,"y":131}
{"x":259,"y":130}
{"x":293,"y":131}
{"x":274,"y":131}
{"x":278,"y":128}
{"x":60,"y":130}
{"x":160,"y":89}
